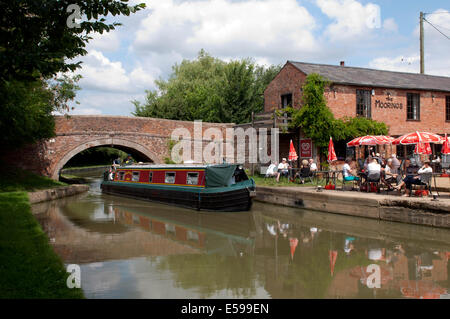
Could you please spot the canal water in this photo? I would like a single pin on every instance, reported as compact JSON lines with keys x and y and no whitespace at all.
{"x":129,"y":248}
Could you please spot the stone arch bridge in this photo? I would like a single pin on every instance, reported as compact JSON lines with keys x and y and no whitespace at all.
{"x":146,"y":138}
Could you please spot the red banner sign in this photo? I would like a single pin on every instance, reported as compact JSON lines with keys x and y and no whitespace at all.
{"x":306,"y":148}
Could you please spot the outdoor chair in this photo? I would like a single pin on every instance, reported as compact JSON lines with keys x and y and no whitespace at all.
{"x":426,"y":180}
{"x":353,"y":183}
{"x":373,"y":180}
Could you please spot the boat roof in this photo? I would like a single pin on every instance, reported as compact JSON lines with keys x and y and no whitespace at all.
{"x":173,"y":166}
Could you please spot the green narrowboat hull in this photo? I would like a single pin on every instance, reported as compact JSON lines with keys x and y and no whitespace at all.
{"x":236,"y":197}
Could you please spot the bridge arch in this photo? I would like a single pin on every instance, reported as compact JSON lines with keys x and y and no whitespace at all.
{"x":111,"y":142}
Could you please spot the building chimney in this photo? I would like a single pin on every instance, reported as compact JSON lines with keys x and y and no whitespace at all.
{"x":342,"y":63}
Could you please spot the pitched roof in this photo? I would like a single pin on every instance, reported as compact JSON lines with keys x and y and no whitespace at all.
{"x":376,"y":78}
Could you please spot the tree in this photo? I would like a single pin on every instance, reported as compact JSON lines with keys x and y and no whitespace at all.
{"x":209,"y":89}
{"x":37,"y":43}
{"x":315,"y":118}
{"x":318,"y":122}
{"x":27,"y":108}
{"x":36,"y":40}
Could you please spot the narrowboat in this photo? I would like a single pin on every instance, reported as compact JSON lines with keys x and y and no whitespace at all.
{"x":221,"y":187}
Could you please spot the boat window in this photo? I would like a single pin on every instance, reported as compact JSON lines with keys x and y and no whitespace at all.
{"x":170,"y":177}
{"x":192,"y":178}
{"x":150,"y":177}
{"x":121,"y":175}
{"x":135,"y":177}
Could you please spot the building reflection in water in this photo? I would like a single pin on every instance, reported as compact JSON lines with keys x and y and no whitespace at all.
{"x":271,"y":251}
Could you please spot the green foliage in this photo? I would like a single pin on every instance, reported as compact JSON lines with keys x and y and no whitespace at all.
{"x":317,"y":121}
{"x":27,"y":108}
{"x":170,"y":145}
{"x":351,"y":127}
{"x":209,"y":89}
{"x":36,"y":40}
{"x":36,"y":44}
{"x":315,"y":118}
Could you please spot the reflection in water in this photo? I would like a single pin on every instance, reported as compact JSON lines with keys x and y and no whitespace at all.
{"x":135,"y":249}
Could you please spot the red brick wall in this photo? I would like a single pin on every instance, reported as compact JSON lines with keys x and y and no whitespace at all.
{"x":342,"y":103}
{"x":432,"y":111}
{"x":289,"y":80}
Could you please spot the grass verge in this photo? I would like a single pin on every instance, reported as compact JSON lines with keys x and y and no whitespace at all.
{"x":13,"y":179}
{"x":284,"y":182}
{"x":29,"y":268}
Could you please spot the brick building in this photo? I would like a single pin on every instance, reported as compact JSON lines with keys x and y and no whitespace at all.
{"x":406,"y":102}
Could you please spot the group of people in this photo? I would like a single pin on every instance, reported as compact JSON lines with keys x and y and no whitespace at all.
{"x":282,"y":169}
{"x":388,"y":172}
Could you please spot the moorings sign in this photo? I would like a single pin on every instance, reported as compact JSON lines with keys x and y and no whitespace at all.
{"x":388,"y":104}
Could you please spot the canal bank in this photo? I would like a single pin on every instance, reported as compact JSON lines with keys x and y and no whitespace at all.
{"x":420,"y":211}
{"x":56,"y":193}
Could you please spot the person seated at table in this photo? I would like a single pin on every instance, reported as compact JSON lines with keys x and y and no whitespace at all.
{"x":283,"y":169}
{"x":390,"y":175}
{"x":425,"y":173}
{"x":312,"y":165}
{"x":349,"y":174}
{"x":367,"y":162}
{"x":373,"y":171}
{"x":395,"y":164}
{"x":272,"y":170}
{"x":304,"y":172}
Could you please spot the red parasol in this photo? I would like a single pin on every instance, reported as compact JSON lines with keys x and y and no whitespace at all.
{"x":417,"y":137}
{"x":423,"y":148}
{"x":331,"y":153}
{"x":371,"y":140}
{"x":446,"y":146}
{"x":293,"y":242}
{"x":292,"y":153}
{"x":333,"y":257}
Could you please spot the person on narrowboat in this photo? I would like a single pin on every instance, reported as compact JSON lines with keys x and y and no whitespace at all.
{"x":129,"y":160}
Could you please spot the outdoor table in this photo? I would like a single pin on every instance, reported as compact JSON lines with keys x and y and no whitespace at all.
{"x":329,"y":176}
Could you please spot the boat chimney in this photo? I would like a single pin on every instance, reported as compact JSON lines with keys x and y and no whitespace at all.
{"x":342,"y":63}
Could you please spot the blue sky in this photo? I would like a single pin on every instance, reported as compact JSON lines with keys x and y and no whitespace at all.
{"x":383,"y":34}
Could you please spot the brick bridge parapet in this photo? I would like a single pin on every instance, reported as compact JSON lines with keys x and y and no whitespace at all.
{"x":147,"y":137}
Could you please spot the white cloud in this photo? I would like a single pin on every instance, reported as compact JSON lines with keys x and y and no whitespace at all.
{"x":390,"y":25}
{"x":102,"y":74}
{"x":351,"y":18}
{"x":227,"y":28}
{"x":106,"y":42}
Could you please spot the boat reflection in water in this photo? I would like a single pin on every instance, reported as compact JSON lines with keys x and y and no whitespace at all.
{"x":128,"y":249}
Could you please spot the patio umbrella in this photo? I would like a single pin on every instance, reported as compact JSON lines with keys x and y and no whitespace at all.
{"x":292,"y":153}
{"x":371,"y":140}
{"x":332,"y":254}
{"x":417,"y":137}
{"x":446,"y":146}
{"x":331,"y":153}
{"x":423,"y":148}
{"x":293,"y":242}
